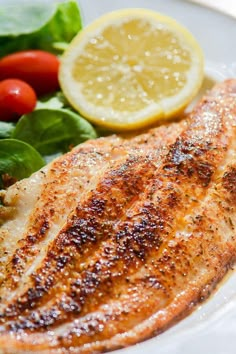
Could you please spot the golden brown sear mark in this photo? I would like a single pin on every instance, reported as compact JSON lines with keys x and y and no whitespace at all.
{"x":142,"y":245}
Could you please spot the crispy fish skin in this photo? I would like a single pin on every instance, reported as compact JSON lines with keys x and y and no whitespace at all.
{"x":116,"y":260}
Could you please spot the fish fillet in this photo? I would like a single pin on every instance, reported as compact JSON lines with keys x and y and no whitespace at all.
{"x":117,"y":240}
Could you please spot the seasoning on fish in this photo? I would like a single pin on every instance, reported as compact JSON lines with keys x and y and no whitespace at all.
{"x":120,"y":238}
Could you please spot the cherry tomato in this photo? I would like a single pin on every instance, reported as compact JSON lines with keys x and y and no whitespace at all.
{"x":16,"y":98}
{"x":36,"y":67}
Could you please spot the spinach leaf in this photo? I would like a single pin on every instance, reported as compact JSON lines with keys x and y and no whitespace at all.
{"x":53,"y":101}
{"x":18,"y":159}
{"x":53,"y":130}
{"x":39,"y":26}
{"x":63,"y":27}
{"x":6,"y":129}
{"x":26,"y":18}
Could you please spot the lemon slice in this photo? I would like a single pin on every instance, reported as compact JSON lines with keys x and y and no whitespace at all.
{"x":130,"y":68}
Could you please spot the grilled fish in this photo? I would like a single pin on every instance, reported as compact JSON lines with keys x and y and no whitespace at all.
{"x":117,"y":240}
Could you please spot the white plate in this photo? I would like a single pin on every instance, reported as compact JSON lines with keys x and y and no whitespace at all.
{"x":212,"y":327}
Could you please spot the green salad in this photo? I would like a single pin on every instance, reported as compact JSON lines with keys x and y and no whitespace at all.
{"x":52,"y":127}
{"x":36,"y":26}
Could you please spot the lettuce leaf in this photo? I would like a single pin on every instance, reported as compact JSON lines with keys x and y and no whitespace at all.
{"x":53,"y":130}
{"x":46,"y":26}
{"x":18,"y":159}
{"x":6,"y":129}
{"x":26,"y":18}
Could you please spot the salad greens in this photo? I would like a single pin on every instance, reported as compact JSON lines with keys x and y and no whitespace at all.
{"x":55,"y":101}
{"x":24,"y":19}
{"x":53,"y":130}
{"x":53,"y":127}
{"x":6,"y":130}
{"x":36,"y":26}
{"x":18,"y":159}
{"x":45,"y":133}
